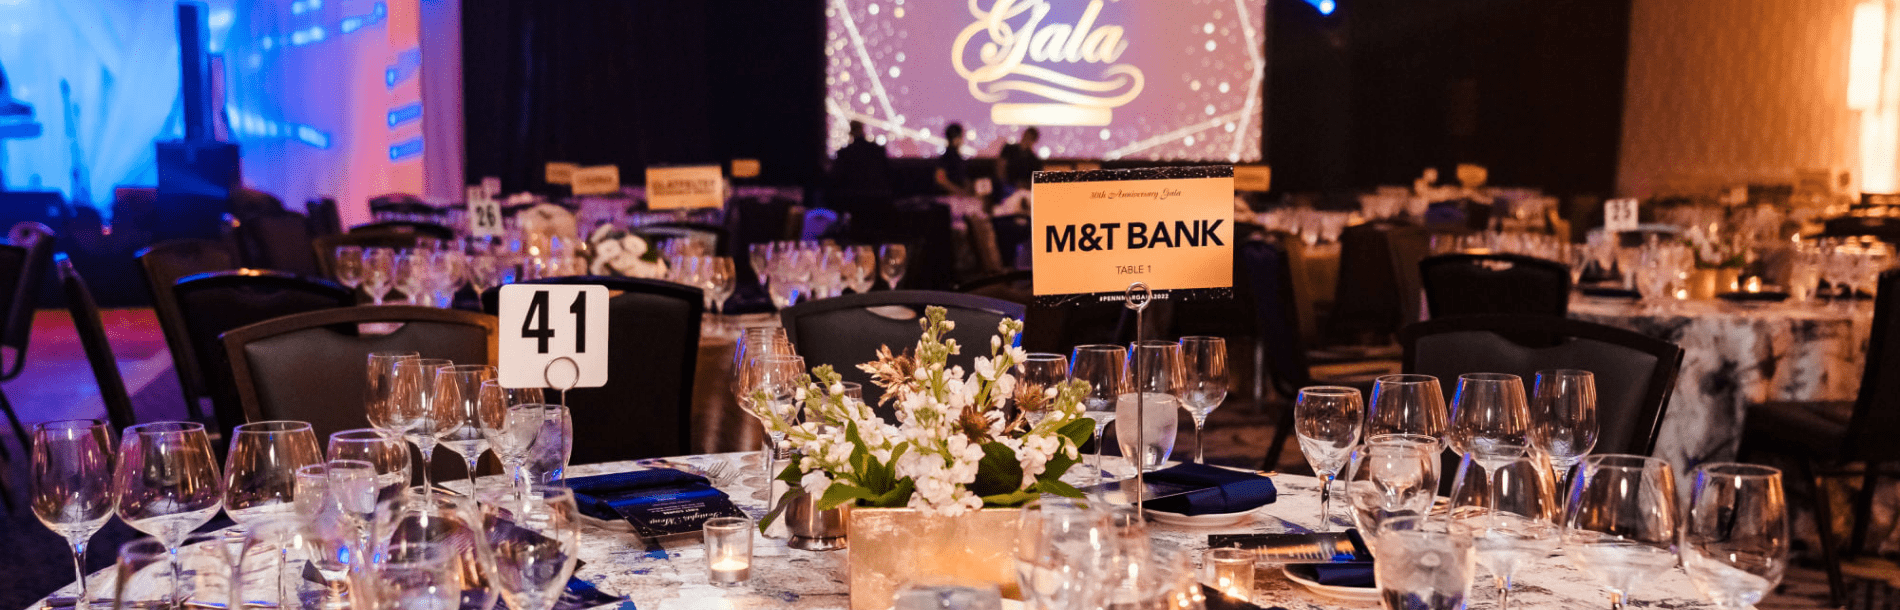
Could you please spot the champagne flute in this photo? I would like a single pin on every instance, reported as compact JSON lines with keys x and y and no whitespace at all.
{"x":892,"y":260}
{"x":1327,"y":420}
{"x":1512,"y":512}
{"x":347,"y":261}
{"x":532,"y":557}
{"x":260,"y":469}
{"x":379,"y":273}
{"x":1391,"y":476}
{"x":1102,"y":367}
{"x":1565,"y":422}
{"x":509,"y":426}
{"x":71,"y":486}
{"x":1145,"y":418}
{"x":1735,"y":545}
{"x":1407,"y":404}
{"x":1622,"y":521}
{"x":1489,"y":411}
{"x":1204,"y":362}
{"x":415,"y":408}
{"x":166,"y":483}
{"x":458,"y":413}
{"x":1036,"y":379}
{"x":380,"y":399}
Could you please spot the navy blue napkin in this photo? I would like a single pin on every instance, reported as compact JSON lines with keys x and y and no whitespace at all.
{"x":1351,"y":574}
{"x":1215,"y":490}
{"x":599,"y":495}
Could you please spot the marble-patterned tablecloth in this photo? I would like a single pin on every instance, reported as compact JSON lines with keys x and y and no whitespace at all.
{"x":1735,"y":355}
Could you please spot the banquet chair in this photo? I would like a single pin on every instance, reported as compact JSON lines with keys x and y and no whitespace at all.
{"x":1884,"y":228}
{"x":94,"y":340}
{"x":846,"y":331}
{"x":404,"y":227}
{"x":274,"y":240}
{"x":1473,"y":284}
{"x":212,"y":303}
{"x":325,"y":219}
{"x":646,"y":408}
{"x":1829,"y":438}
{"x":24,"y":268}
{"x":162,"y":264}
{"x":1369,"y":299}
{"x":310,"y":366}
{"x":1635,"y":373}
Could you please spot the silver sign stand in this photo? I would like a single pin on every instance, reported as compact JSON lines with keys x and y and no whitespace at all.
{"x":1137,"y":297}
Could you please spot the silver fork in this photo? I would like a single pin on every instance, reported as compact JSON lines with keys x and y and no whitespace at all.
{"x":720,"y":473}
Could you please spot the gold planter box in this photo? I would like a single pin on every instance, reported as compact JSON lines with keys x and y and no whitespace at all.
{"x":893,"y":546}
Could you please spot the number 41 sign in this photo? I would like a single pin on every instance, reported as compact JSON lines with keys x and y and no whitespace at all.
{"x":553,"y":336}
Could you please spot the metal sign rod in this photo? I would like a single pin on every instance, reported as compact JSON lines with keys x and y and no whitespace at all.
{"x":1137,"y":298}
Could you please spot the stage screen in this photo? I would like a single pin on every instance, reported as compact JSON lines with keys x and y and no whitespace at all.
{"x":1100,"y":79}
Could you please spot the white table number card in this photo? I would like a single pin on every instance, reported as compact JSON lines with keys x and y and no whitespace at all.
{"x":484,"y":213}
{"x":1619,"y":215}
{"x":553,"y":336}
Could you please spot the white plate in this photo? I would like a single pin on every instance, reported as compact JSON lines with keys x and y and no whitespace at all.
{"x":1351,"y":594}
{"x":1213,"y":520}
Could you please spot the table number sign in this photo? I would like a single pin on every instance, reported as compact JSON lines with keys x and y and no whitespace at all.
{"x":1619,"y":215}
{"x":484,"y":213}
{"x":1253,"y":178}
{"x":597,"y":180}
{"x":553,"y":336}
{"x":1093,"y":233}
{"x":685,"y":187}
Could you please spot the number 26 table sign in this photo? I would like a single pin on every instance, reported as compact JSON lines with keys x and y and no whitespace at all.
{"x":553,"y":336}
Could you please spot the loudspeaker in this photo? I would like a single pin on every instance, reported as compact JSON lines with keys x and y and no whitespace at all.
{"x":194,"y":60}
{"x":195,"y":179}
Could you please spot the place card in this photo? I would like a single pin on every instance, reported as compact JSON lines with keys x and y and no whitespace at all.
{"x":1093,"y":233}
{"x":597,"y":180}
{"x":685,"y":187}
{"x":553,"y":336}
{"x":1619,"y":215}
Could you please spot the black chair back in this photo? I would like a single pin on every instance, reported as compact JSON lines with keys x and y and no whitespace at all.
{"x":1367,"y":302}
{"x":1635,"y":373}
{"x":1876,"y":419}
{"x":36,"y":240}
{"x":1474,"y":284}
{"x":846,"y":331}
{"x":274,"y":240}
{"x":325,"y":218}
{"x":310,"y":366}
{"x":92,"y":337}
{"x":646,"y":408}
{"x":1884,"y":228}
{"x":212,"y":303}
{"x":163,"y":263}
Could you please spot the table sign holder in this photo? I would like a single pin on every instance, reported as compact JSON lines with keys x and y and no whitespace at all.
{"x":547,"y":377}
{"x":1137,"y":298}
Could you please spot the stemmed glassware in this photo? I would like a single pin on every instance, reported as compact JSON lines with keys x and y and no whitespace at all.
{"x":166,"y":482}
{"x":754,"y":343}
{"x":426,"y":552}
{"x":1622,"y":521}
{"x":1407,"y":404}
{"x":412,"y":276}
{"x":415,"y":407}
{"x":1512,"y":512}
{"x":1103,"y":367}
{"x":863,"y":268}
{"x":261,"y":469}
{"x":347,"y":262}
{"x":761,"y":258}
{"x":1327,"y":420}
{"x":70,"y":485}
{"x":1145,"y":418}
{"x":1204,"y":365}
{"x":1735,"y":545}
{"x":381,"y":401}
{"x":1391,"y":476}
{"x":1036,"y":379}
{"x":379,"y":273}
{"x":721,"y":279}
{"x":1489,"y":411}
{"x":774,"y":382}
{"x":458,"y":412}
{"x":1055,"y":554}
{"x":892,"y":260}
{"x":367,"y":467}
{"x":1564,"y":405}
{"x":534,"y":542}
{"x":511,"y":417}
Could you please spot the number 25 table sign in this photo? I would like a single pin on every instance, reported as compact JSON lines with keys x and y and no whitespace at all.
{"x":553,"y":336}
{"x":1095,"y":232}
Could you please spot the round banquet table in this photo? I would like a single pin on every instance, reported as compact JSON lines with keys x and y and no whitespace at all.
{"x":618,"y":563}
{"x":1735,"y":355}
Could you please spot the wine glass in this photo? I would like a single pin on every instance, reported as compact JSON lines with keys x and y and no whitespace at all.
{"x":509,"y":425}
{"x":1055,"y":544}
{"x":412,"y":275}
{"x":415,"y":407}
{"x":1102,"y":366}
{"x":1425,"y":563}
{"x":755,"y":342}
{"x":425,"y":552}
{"x":1512,"y":512}
{"x":1391,"y":476}
{"x":458,"y":412}
{"x":1622,"y":521}
{"x":721,"y":280}
{"x":380,"y":399}
{"x":1407,"y":404}
{"x":260,"y":469}
{"x":892,"y":259}
{"x":379,"y":273}
{"x":1564,"y":402}
{"x":1145,"y":418}
{"x":384,"y":452}
{"x":1735,"y":545}
{"x":194,"y":570}
{"x":1489,"y":411}
{"x":1204,"y":362}
{"x":864,"y":268}
{"x":761,"y":258}
{"x":1036,"y":379}
{"x":776,"y":381}
{"x":71,"y":485}
{"x":1327,"y":420}
{"x":347,"y":261}
{"x":534,"y":540}
{"x":166,"y":482}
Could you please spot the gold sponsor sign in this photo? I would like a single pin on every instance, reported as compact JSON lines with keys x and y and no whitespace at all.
{"x":696,"y":186}
{"x":745,"y":168}
{"x":597,"y":180}
{"x":561,"y":172}
{"x":1255,"y":178}
{"x":1098,"y":236}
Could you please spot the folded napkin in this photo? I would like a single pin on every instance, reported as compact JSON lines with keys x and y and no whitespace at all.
{"x":660,"y":502}
{"x":1350,"y":574}
{"x":1208,"y":490}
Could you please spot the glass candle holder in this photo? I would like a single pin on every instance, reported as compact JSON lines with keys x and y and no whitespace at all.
{"x":1230,"y":570}
{"x":728,"y":549}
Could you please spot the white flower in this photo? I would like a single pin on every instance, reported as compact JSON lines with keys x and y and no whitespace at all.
{"x":815,"y":482}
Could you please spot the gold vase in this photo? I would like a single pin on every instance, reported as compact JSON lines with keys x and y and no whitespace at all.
{"x":892,"y":546}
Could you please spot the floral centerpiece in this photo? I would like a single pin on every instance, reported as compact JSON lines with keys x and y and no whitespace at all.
{"x":620,"y":252}
{"x":953,"y":449}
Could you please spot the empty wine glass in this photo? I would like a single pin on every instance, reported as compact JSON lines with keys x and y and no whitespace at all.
{"x":412,"y":276}
{"x":1564,"y":408}
{"x":1327,"y":420}
{"x":1735,"y":545}
{"x":761,"y":258}
{"x":70,"y":486}
{"x":380,"y":399}
{"x":1204,"y":363}
{"x":1512,"y":509}
{"x":1622,"y":521}
{"x":1425,"y":563}
{"x":1055,"y":544}
{"x":535,"y":541}
{"x":347,"y":262}
{"x":426,"y":552}
{"x":1103,"y":367}
{"x":1407,"y":404}
{"x":776,"y":380}
{"x":379,"y":273}
{"x":1391,"y":476}
{"x":892,"y":261}
{"x":387,"y":454}
{"x":260,"y":469}
{"x":863,"y":267}
{"x":721,"y":279}
{"x":166,"y":482}
{"x":458,"y":412}
{"x":193,"y":571}
{"x":509,"y":425}
{"x":756,"y":342}
{"x":1145,"y":413}
{"x":415,"y":408}
{"x":1489,"y":411}
{"x":1036,"y":379}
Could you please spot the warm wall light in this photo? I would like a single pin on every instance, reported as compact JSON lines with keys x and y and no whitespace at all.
{"x":1866,"y":54}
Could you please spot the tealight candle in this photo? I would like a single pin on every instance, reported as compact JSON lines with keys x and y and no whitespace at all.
{"x":728,"y":549}
{"x":1230,"y":570}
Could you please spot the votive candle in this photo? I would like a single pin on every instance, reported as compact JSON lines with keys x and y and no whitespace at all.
{"x":1230,"y":570}
{"x":728,"y":549}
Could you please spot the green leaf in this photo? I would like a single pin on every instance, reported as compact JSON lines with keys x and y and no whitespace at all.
{"x":791,"y":474}
{"x":784,"y":500}
{"x":898,"y":496}
{"x":998,"y":472}
{"x":841,"y":493}
{"x":1010,"y":500}
{"x":1080,"y":430}
{"x":1057,"y":487}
